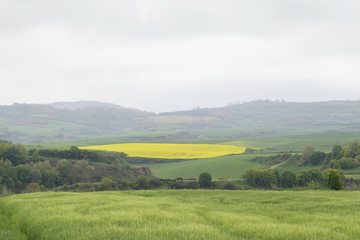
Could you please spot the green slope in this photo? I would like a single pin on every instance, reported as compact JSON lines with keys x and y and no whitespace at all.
{"x":321,"y":141}
{"x":228,"y":167}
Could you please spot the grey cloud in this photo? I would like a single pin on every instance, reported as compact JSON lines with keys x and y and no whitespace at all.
{"x":179,"y":54}
{"x":175,"y":18}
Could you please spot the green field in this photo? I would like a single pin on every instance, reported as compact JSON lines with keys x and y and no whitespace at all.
{"x":170,"y":150}
{"x":190,"y":214}
{"x":352,"y":173}
{"x":272,"y":132}
{"x":321,"y":141}
{"x":51,"y":130}
{"x":227,"y":167}
{"x":137,"y":137}
{"x":233,"y":166}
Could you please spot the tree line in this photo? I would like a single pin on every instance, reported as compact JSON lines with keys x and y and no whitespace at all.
{"x":311,"y":178}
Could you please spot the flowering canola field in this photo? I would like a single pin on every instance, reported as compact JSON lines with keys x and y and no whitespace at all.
{"x":170,"y":151}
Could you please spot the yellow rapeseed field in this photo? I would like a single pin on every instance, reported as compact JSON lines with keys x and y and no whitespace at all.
{"x":170,"y":151}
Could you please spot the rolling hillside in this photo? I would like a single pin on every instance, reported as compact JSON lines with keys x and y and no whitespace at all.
{"x":32,"y":123}
{"x":41,"y":122}
{"x":270,"y":114}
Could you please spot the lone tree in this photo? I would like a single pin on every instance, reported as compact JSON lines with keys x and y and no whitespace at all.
{"x":288,"y":179}
{"x":333,"y":180}
{"x":306,"y":154}
{"x":336,"y":152}
{"x":205,"y":180}
{"x":317,"y":158}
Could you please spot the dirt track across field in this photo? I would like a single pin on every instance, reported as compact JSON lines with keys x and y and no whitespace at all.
{"x":276,"y":165}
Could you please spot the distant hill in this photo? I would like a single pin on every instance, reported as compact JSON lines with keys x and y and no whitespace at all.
{"x":276,"y":113}
{"x":67,"y":120}
{"x":41,"y":122}
{"x":82,"y":104}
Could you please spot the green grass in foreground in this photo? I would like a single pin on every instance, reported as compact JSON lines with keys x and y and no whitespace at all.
{"x":228,"y":167}
{"x":9,"y":230}
{"x":188,"y":214}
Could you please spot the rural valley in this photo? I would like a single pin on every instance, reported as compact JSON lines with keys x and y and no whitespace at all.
{"x":179,"y":120}
{"x":152,"y":172}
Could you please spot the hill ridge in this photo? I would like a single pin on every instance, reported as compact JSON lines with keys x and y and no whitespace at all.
{"x":63,"y":120}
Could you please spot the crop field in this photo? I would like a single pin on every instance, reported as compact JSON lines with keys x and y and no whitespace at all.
{"x":321,"y":141}
{"x":52,"y":130}
{"x":226,"y":167}
{"x":170,"y":151}
{"x":185,"y":214}
{"x":352,"y":173}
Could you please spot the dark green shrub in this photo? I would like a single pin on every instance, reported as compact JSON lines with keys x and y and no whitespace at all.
{"x":312,"y":175}
{"x":288,"y":179}
{"x":205,"y":180}
{"x":333,"y":179}
{"x":262,"y":178}
{"x":317,"y":158}
{"x":348,"y":163}
{"x":334,"y":164}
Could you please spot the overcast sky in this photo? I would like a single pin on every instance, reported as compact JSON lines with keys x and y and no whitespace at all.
{"x":175,"y":55}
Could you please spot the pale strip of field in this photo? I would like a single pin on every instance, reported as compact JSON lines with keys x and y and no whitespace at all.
{"x":170,"y":151}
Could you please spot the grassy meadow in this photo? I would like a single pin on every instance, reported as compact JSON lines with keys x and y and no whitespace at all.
{"x":52,"y":129}
{"x":297,"y":143}
{"x":352,"y":173}
{"x":188,"y":214}
{"x":224,"y":167}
